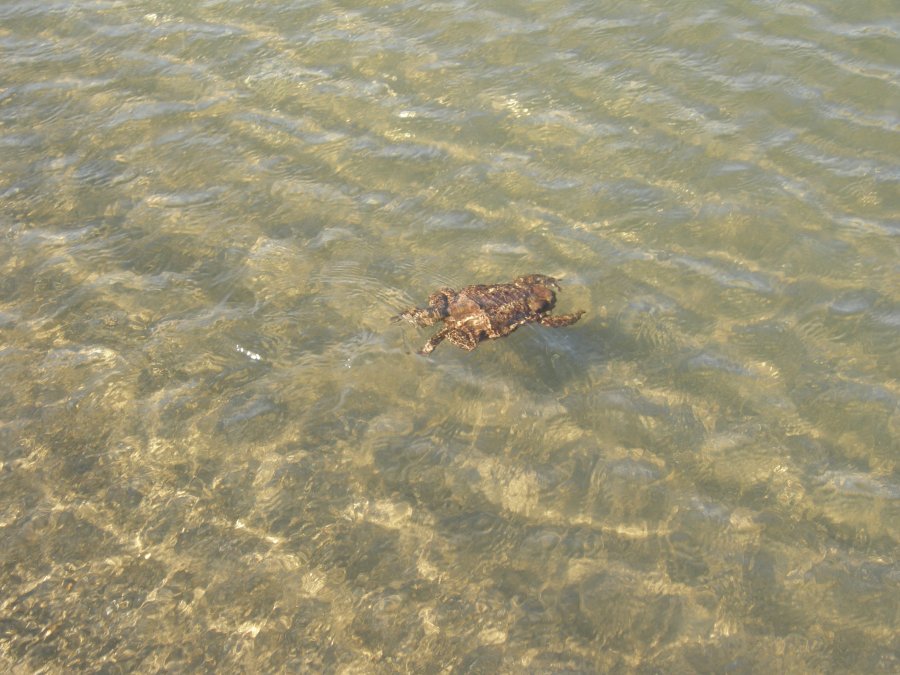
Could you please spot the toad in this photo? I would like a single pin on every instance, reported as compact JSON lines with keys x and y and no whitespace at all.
{"x":478,"y":313}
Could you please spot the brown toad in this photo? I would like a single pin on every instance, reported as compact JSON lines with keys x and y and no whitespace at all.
{"x":479,"y":312}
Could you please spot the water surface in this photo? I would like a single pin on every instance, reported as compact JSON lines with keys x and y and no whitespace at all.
{"x":217,"y":453}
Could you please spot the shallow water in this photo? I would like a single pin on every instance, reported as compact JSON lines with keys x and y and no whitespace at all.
{"x":217,"y":453}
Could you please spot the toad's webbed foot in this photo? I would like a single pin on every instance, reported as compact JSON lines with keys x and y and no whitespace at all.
{"x":421,"y":316}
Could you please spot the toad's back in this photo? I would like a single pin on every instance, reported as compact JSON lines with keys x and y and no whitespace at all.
{"x":499,"y":308}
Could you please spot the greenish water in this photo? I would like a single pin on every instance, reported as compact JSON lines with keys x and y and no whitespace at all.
{"x":218,"y":455}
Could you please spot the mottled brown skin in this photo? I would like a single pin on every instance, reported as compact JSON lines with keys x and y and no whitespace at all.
{"x":478,"y":313}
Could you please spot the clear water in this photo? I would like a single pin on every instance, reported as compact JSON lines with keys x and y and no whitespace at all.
{"x":216,"y":452}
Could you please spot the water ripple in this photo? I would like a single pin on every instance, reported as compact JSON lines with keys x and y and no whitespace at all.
{"x":213,"y":438}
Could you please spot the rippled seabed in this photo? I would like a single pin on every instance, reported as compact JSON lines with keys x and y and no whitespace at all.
{"x":216,"y":453}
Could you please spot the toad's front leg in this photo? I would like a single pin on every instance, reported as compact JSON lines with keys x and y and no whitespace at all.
{"x":434,"y":341}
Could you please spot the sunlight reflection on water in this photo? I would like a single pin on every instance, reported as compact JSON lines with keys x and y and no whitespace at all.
{"x":219,"y":454}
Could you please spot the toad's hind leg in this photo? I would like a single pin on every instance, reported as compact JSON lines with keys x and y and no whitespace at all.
{"x":428,"y":316}
{"x":560,"y":320}
{"x":421,"y":316}
{"x":462,"y":339}
{"x":434,"y":341}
